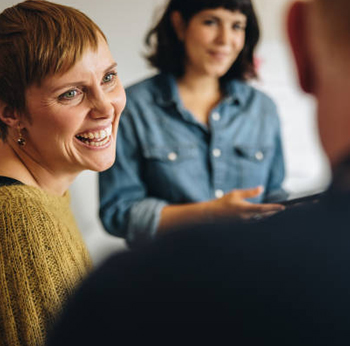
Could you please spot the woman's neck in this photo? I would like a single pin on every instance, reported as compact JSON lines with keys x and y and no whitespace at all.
{"x":199,"y":94}
{"x":198,"y":83}
{"x":17,"y":165}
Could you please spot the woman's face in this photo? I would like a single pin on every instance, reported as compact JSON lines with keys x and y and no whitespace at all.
{"x":74,"y":116}
{"x":213,"y":40}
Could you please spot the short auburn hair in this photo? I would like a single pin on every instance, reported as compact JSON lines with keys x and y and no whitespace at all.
{"x":37,"y":39}
{"x":167,"y":52}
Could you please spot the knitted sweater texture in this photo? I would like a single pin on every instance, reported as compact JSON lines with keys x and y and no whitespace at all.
{"x":42,"y":259}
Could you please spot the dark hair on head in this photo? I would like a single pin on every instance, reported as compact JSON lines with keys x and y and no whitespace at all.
{"x":167,"y":52}
{"x":37,"y":39}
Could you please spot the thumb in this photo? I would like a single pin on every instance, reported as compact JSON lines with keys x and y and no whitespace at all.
{"x":250,"y":193}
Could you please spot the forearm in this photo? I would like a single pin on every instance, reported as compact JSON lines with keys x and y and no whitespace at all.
{"x":232,"y":206}
{"x":173,"y":216}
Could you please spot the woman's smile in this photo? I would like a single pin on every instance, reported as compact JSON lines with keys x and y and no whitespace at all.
{"x":219,"y":56}
{"x":98,"y":138}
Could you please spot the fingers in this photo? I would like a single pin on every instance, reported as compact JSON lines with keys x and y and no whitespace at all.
{"x":263,"y":208}
{"x":234,"y":205}
{"x":261,"y":216}
{"x":258,"y":215}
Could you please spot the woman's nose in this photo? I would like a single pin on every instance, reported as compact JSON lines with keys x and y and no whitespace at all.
{"x":102,"y":106}
{"x":223,"y":36}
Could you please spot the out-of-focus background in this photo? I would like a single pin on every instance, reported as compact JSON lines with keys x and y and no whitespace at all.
{"x":125,"y":23}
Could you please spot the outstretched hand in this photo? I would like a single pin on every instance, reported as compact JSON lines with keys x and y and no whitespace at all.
{"x":234,"y":205}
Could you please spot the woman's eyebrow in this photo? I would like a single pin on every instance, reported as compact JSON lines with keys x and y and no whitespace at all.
{"x":212,"y":16}
{"x":66,"y":85}
{"x":80,"y":82}
{"x":114,"y":65}
{"x":235,"y":21}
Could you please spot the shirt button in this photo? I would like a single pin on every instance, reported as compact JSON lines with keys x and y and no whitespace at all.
{"x":216,"y":152}
{"x":216,"y":116}
{"x":172,"y":156}
{"x":219,"y":193}
{"x":259,"y":155}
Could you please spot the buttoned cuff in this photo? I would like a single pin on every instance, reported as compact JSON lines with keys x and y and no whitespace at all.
{"x":143,"y":221}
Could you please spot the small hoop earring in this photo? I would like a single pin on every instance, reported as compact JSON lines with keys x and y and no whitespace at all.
{"x":21,"y":141}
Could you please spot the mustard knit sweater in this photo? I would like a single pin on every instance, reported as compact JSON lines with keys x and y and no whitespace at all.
{"x":42,"y":259}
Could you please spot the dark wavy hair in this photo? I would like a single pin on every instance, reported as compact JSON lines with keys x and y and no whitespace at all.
{"x":167,"y":52}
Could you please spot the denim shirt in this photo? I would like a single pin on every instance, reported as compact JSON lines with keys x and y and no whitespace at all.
{"x":166,"y":156}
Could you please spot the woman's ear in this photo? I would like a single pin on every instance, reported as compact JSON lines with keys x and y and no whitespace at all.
{"x":298,"y":38}
{"x":8,"y":115}
{"x":179,"y":25}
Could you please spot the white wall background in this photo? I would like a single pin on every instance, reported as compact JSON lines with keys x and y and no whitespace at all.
{"x":125,"y":23}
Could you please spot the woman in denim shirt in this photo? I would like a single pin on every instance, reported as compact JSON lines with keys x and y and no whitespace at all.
{"x":195,"y":141}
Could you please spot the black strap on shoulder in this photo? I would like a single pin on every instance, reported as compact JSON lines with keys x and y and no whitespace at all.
{"x":6,"y":181}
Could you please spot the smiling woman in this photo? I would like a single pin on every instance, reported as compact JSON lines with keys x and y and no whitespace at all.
{"x":206,"y":140}
{"x":60,"y":104}
{"x":72,"y":113}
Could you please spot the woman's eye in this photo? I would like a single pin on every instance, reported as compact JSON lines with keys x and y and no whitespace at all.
{"x":69,"y":95}
{"x":238,"y":27}
{"x":109,"y":77}
{"x":209,"y":22}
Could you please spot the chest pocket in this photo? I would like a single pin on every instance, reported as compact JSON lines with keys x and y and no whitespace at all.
{"x":170,"y":165}
{"x":170,"y":171}
{"x":253,"y":154}
{"x":253,"y":164}
{"x":171,"y":155}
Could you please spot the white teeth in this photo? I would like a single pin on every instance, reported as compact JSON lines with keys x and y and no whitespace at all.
{"x":102,"y":134}
{"x":98,"y":144}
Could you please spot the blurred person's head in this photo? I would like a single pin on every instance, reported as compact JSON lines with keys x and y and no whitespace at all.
{"x":59,"y":90}
{"x":216,"y":37}
{"x":319,"y":32}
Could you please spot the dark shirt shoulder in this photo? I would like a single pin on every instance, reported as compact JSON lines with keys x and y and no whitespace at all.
{"x":6,"y":181}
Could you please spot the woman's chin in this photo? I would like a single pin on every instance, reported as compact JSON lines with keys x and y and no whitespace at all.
{"x":106,"y":166}
{"x":98,"y":163}
{"x":102,"y":165}
{"x":217,"y":72}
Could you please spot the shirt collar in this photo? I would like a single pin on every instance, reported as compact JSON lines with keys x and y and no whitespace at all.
{"x":167,"y":91}
{"x":236,"y":92}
